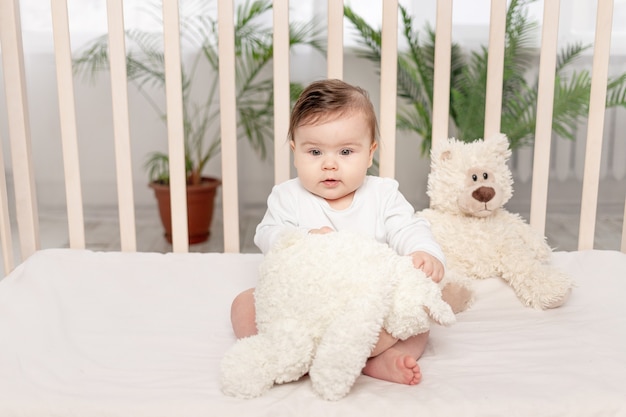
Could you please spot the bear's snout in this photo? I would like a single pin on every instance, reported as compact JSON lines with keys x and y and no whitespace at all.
{"x":484,"y":194}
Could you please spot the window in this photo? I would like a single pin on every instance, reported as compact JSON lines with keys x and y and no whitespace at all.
{"x":471,"y":18}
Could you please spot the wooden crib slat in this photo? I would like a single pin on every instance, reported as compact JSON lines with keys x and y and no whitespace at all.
{"x":228,"y":125}
{"x":595,"y":126}
{"x":67,"y":115}
{"x":281,"y":90}
{"x":388,"y":82}
{"x":175,"y":130}
{"x":543,"y":129}
{"x":495,"y":68}
{"x":623,"y":245}
{"x":441,"y":82}
{"x":335,"y":39}
{"x":19,"y":128}
{"x":6,"y":236}
{"x":121,"y":125}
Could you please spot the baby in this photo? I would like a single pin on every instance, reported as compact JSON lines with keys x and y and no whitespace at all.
{"x":333,"y":136}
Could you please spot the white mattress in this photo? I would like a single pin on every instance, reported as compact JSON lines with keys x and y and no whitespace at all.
{"x":117,"y":334}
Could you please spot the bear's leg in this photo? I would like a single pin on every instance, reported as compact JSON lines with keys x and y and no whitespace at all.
{"x":539,"y":286}
{"x":457,"y":295}
{"x":248,"y":369}
{"x":280,"y":353}
{"x":293,"y":350}
{"x":343,"y":351}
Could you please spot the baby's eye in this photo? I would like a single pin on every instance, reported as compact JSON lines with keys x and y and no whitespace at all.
{"x":315,"y":152}
{"x":346,"y":152}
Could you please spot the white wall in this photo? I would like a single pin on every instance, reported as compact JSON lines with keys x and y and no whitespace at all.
{"x":95,"y":136}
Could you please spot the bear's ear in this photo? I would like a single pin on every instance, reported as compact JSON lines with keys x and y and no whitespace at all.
{"x":442,"y":150}
{"x":500,"y":144}
{"x":445,"y":155}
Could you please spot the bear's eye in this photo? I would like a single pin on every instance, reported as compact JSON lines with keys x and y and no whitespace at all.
{"x":474,"y":177}
{"x":485,"y":175}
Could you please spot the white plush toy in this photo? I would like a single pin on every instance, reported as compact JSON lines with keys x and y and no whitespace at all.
{"x":468,"y":185}
{"x":321,"y":301}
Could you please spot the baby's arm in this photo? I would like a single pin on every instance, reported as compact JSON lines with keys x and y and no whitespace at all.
{"x":431,"y":266}
{"x":321,"y":231}
{"x":279,"y":218}
{"x":409,"y":234}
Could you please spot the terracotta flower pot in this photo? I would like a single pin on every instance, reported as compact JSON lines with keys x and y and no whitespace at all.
{"x":200,"y":202}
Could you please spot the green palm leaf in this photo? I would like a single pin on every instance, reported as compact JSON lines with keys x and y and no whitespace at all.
{"x":254,"y":88}
{"x":468,"y":80}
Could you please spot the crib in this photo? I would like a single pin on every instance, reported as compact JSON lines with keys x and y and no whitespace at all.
{"x":122,"y":333}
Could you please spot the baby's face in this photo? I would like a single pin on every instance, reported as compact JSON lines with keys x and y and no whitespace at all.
{"x":332,"y":157}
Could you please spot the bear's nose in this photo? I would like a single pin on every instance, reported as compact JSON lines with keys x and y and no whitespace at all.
{"x":483,"y":194}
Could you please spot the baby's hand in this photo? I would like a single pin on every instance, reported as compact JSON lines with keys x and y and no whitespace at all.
{"x":321,"y":231}
{"x":431,"y":266}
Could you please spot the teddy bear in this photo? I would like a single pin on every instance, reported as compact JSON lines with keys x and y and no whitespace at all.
{"x":321,"y":301}
{"x":468,"y":185}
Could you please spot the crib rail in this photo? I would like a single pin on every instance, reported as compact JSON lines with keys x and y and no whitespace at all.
{"x":19,"y":130}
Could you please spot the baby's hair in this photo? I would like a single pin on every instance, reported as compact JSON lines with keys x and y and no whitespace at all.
{"x":325,"y":100}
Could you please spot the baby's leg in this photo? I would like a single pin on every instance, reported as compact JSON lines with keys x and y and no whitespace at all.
{"x":385,"y":341}
{"x":399,"y":362}
{"x":243,"y":315}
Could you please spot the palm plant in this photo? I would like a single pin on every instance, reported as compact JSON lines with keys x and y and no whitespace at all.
{"x":254,"y":87}
{"x":468,"y":79}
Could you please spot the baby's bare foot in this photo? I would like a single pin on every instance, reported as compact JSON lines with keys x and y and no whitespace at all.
{"x":394,"y":366}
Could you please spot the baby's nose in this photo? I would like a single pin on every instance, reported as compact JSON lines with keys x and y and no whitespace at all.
{"x":329,"y":163}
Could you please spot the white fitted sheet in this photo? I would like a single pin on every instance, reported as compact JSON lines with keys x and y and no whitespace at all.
{"x":141,"y":334}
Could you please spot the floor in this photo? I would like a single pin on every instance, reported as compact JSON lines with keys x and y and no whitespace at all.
{"x":102,"y":230}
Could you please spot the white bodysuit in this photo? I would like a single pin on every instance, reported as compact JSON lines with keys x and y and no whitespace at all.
{"x":378,"y":209}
